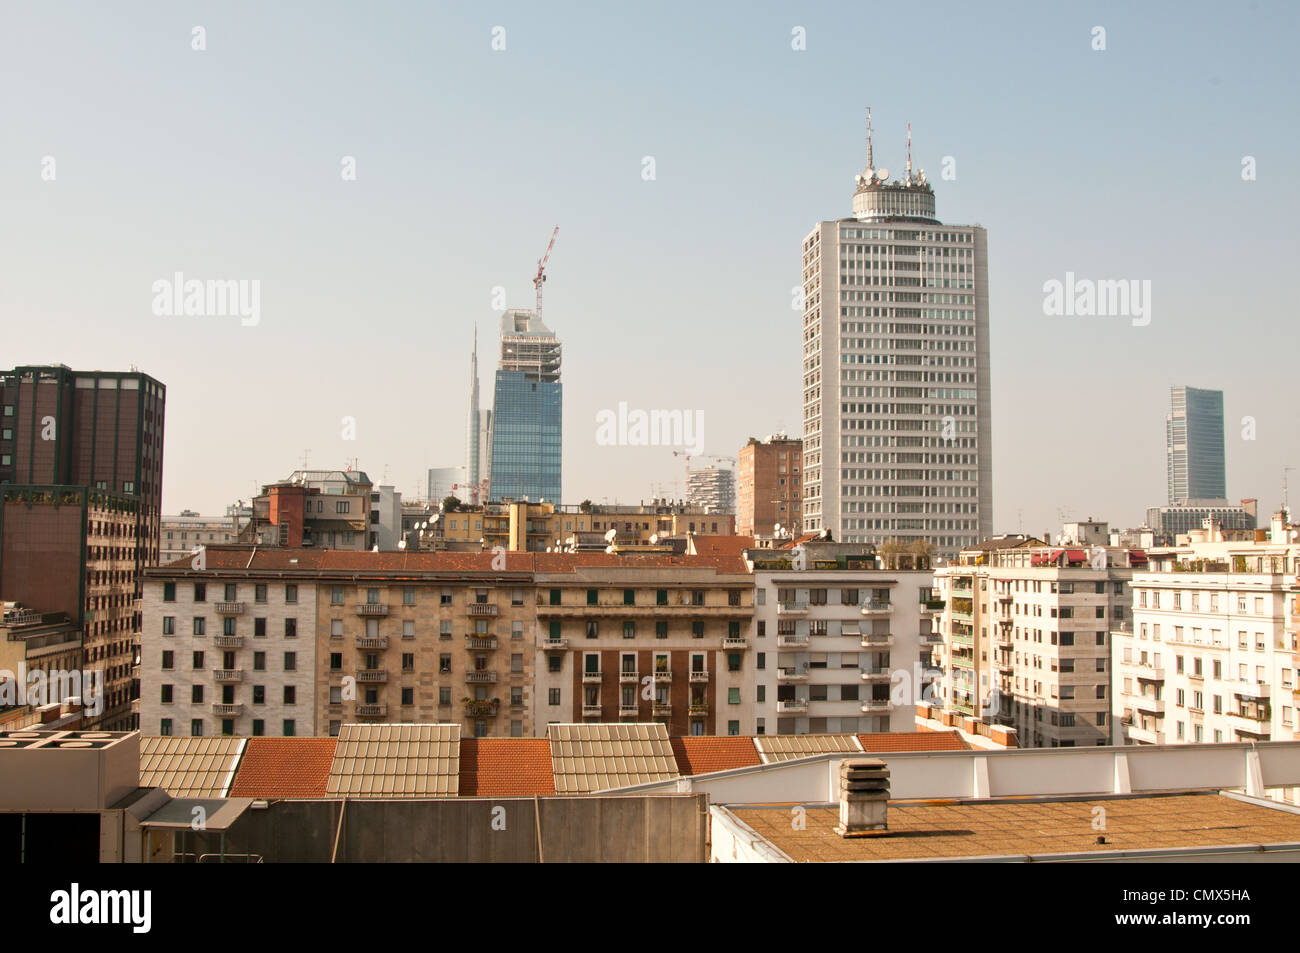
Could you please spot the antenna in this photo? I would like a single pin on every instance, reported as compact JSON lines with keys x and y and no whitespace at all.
{"x":870,"y":163}
{"x":306,"y":456}
{"x":1286,"y":508}
{"x":909,"y":153}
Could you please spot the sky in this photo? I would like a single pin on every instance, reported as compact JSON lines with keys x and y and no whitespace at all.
{"x":473,"y":130}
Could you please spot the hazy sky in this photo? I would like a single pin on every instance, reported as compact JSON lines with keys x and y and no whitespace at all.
{"x":670,"y":293}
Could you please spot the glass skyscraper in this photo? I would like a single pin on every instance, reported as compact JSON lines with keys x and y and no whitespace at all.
{"x":1194,"y":452}
{"x":527,"y":411}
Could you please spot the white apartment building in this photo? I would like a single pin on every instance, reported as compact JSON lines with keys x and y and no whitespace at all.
{"x":1211,"y":652}
{"x":1025,"y":638}
{"x":838,"y":645}
{"x":182,"y":534}
{"x":228,"y":657}
{"x":895,"y":374}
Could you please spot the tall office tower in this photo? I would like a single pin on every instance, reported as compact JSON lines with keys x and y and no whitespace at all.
{"x":770,"y":486}
{"x":445,"y":481}
{"x":478,"y":440}
{"x":1194,"y":456}
{"x":713,"y":488}
{"x":81,"y":463}
{"x":526,"y":412}
{"x":897,"y":435}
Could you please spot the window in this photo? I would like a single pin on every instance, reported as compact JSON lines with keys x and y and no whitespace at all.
{"x":336,"y":595}
{"x":629,"y":629}
{"x":593,"y":628}
{"x":290,"y":695}
{"x":200,"y":625}
{"x":169,"y":625}
{"x":516,"y":663}
{"x":165,"y":727}
{"x":553,"y":697}
{"x":592,"y":597}
{"x":629,"y":597}
{"x":408,"y":696}
{"x":408,"y":661}
{"x":697,"y":630}
{"x":197,"y":660}
{"x":228,"y":625}
{"x":554,"y":663}
{"x":661,"y":597}
{"x":196,"y":727}
{"x":733,"y":661}
{"x":200,"y":592}
{"x":169,"y":592}
{"x":168,"y":660}
{"x":290,"y":628}
{"x":733,"y":696}
{"x":444,"y":695}
{"x":408,"y":595}
{"x":555,"y":597}
{"x":290,"y":661}
{"x":291,"y":593}
{"x":259,"y":661}
{"x":196,"y":694}
{"x":166,"y":694}
{"x":661,"y":630}
{"x":288,"y":727}
{"x":445,"y":598}
{"x":444,"y":663}
{"x":259,"y":628}
{"x":259,"y":592}
{"x":516,"y":597}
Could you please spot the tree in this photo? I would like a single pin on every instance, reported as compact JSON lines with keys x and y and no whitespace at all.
{"x":585,"y":506}
{"x":450,"y":504}
{"x":921,"y":550}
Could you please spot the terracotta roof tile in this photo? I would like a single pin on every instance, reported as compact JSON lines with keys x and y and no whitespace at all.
{"x":505,"y":767}
{"x":284,"y":768}
{"x":721,"y":545}
{"x":913,"y":741}
{"x":701,"y":755}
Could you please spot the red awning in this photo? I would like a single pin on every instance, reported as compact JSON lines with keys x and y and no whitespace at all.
{"x":1136,"y":556}
{"x":1076,"y":556}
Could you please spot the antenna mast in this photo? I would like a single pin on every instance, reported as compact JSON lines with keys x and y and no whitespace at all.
{"x":909,"y":153}
{"x":870,"y":164}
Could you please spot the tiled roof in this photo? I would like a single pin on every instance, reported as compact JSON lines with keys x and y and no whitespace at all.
{"x":788,"y":747}
{"x":596,"y":757}
{"x":311,"y":560}
{"x":701,"y":755}
{"x":391,"y":761}
{"x":721,"y":545}
{"x":190,"y":767}
{"x":284,"y":768}
{"x":505,"y":767}
{"x":913,"y":741}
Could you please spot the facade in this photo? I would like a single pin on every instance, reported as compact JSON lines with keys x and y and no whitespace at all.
{"x":332,"y":509}
{"x":41,"y":652}
{"x":712,"y":488}
{"x":1025,"y":638}
{"x":527,"y":412}
{"x":840,"y":646}
{"x":385,"y":518}
{"x":1194,"y":456}
{"x":769,"y":480}
{"x":183,"y":533}
{"x":1211,"y":652}
{"x":444,"y":482}
{"x":662,"y":639}
{"x":1167,"y":523}
{"x":895,"y":376}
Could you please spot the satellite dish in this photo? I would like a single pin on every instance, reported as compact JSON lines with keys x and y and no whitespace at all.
{"x":609,"y":549}
{"x":435,"y":519}
{"x":401,"y":544}
{"x":654,"y":539}
{"x":882,"y":174}
{"x":609,"y":537}
{"x":374,"y":549}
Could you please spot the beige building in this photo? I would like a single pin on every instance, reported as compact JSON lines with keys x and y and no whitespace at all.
{"x":187,"y":531}
{"x":769,"y":481}
{"x":1025,"y":638}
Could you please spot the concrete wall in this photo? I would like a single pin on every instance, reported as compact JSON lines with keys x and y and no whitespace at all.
{"x":660,"y":829}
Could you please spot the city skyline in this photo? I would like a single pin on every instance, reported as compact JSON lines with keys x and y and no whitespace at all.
{"x":366,"y":264}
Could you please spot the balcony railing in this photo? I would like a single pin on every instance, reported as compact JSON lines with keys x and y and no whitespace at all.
{"x":626,"y":677}
{"x":792,"y":674}
{"x":372,"y":608}
{"x":792,"y":705}
{"x":555,"y":645}
{"x":877,"y":705}
{"x":591,"y":677}
{"x":877,"y":607}
{"x":479,"y":676}
{"x":735,"y":642}
{"x":700,"y":676}
{"x":484,"y":643}
{"x":698,"y":709}
{"x":482,"y":609}
{"x":877,"y":640}
{"x":628,"y":711}
{"x":227,"y":711}
{"x":792,"y":608}
{"x":230,"y":608}
{"x":791,"y":640}
{"x":592,"y":711}
{"x":372,"y":711}
{"x":663,"y":675}
{"x":661,"y":709}
{"x":482,"y":708}
{"x":228,"y":641}
{"x":372,"y":641}
{"x":372,"y":675}
{"x":875,"y":674}
{"x":228,"y":675}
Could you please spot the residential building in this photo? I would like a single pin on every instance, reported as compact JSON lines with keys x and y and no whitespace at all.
{"x":1194,"y":454}
{"x":769,"y":480}
{"x":839,"y":644}
{"x":184,"y":533}
{"x":331,"y":509}
{"x":527,"y":416}
{"x":1025,"y":638}
{"x":40,"y":660}
{"x":1168,"y":523}
{"x":713,"y":489}
{"x":895,"y":375}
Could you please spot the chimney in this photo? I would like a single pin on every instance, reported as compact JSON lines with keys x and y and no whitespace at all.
{"x":864,"y":797}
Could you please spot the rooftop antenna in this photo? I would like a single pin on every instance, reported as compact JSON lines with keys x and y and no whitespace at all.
{"x":1286,"y":508}
{"x":870,"y":164}
{"x":909,"y":153}
{"x":306,"y":456}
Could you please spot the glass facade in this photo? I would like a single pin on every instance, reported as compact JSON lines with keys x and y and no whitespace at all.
{"x":1194,"y":445}
{"x":526,"y":438}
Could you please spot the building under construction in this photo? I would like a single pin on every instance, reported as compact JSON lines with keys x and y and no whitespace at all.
{"x":713,"y":488}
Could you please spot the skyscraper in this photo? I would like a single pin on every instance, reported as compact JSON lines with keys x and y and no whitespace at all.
{"x":897,"y":437}
{"x":526,"y":411}
{"x":478,"y":439}
{"x":1194,"y":455}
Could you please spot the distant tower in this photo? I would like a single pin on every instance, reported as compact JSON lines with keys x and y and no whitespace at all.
{"x":1194,"y":449}
{"x":527,"y":412}
{"x":478,"y":437}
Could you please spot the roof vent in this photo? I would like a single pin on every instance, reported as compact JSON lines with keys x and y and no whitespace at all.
{"x":864,"y":797}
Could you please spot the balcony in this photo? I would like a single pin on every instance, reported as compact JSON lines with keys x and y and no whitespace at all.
{"x":661,"y":710}
{"x":481,"y":643}
{"x":372,"y":675}
{"x":1147,"y":703}
{"x":875,"y":607}
{"x":699,"y":676}
{"x":228,"y":675}
{"x":792,"y":706}
{"x":372,"y":609}
{"x":698,"y":709}
{"x":482,"y":609}
{"x":1150,"y":673}
{"x":1139,"y":735}
{"x":628,"y":711}
{"x":592,"y":711}
{"x":875,"y":674}
{"x":663,"y":675}
{"x":792,"y":608}
{"x":791,"y":641}
{"x":481,"y":677}
{"x":877,"y":640}
{"x":791,"y":675}
{"x":591,"y":678}
{"x":930,"y":606}
{"x":555,"y":645}
{"x":228,"y":641}
{"x":735,"y":642}
{"x":227,"y":711}
{"x":626,"y":677}
{"x":1257,"y":690}
{"x":931,"y":638}
{"x":372,"y":641}
{"x":877,"y":706}
{"x":230,"y":608}
{"x":482,"y":708}
{"x":372,"y":711}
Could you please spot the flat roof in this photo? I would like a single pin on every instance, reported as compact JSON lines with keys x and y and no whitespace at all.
{"x":945,"y":830}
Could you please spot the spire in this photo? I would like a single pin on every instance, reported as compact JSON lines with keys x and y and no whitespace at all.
{"x":870,"y":164}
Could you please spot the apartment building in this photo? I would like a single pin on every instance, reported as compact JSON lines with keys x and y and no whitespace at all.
{"x":840,"y":645}
{"x":1210,"y":655}
{"x":330,"y":509}
{"x":647,"y":638}
{"x":185,"y":532}
{"x":1025,"y":637}
{"x":769,"y":480}
{"x":40,"y":661}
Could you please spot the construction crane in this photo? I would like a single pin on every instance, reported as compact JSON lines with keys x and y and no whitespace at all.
{"x":540,"y":277}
